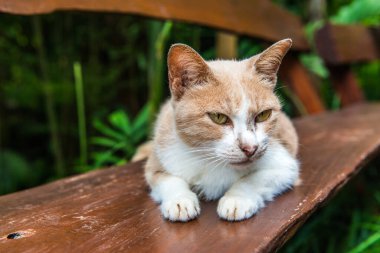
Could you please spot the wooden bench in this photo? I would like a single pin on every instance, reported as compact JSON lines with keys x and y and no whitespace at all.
{"x":110,"y":210}
{"x":341,"y":45}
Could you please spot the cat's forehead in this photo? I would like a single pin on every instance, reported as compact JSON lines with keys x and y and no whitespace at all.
{"x":229,"y":70}
{"x":238,"y":84}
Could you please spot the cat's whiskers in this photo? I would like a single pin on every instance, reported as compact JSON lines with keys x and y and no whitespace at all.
{"x":200,"y":153}
{"x":229,"y":156}
{"x":207,"y":159}
{"x":279,"y":87}
{"x":222,"y":161}
{"x":218,"y":161}
{"x":203,"y":153}
{"x":193,"y":157}
{"x":206,"y":150}
{"x":210,"y":158}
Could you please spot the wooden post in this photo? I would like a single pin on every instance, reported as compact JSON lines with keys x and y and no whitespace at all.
{"x":346,"y":85}
{"x":294,"y":74}
{"x":226,"y":45}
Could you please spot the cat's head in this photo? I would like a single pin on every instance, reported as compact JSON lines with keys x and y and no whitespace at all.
{"x":226,"y":109}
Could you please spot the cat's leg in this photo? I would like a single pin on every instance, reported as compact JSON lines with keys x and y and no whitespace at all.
{"x":276,"y":172}
{"x":177,"y":201}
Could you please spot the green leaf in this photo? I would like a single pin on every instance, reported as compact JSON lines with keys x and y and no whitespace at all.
{"x":103,"y":141}
{"x":335,"y":104}
{"x":15,"y":171}
{"x":122,"y":162}
{"x":119,"y":141}
{"x":120,"y":120}
{"x":107,"y":130}
{"x":315,"y":64}
{"x":310,"y":29}
{"x":105,"y":158}
{"x":139,"y":135}
{"x":359,"y":11}
{"x":141,"y":119}
{"x":370,"y":241}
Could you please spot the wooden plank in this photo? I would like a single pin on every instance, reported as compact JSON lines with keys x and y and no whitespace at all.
{"x":110,"y":210}
{"x":226,"y":46}
{"x":258,"y":18}
{"x":296,"y":76}
{"x":346,"y":85}
{"x":339,"y":44}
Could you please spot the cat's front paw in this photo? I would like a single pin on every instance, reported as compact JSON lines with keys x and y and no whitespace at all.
{"x":182,"y":208}
{"x":235,"y":208}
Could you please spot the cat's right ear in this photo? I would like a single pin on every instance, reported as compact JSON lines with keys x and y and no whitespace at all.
{"x":268,"y":62}
{"x":186,"y":68}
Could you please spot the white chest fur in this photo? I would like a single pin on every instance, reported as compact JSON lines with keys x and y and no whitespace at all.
{"x":208,"y":177}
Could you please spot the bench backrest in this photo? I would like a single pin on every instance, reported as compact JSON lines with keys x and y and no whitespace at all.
{"x":342,"y":45}
{"x":261,"y":19}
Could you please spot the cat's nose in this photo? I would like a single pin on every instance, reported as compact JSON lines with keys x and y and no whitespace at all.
{"x":248,"y":150}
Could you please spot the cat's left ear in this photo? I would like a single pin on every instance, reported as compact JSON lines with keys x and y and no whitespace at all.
{"x":268,"y":62}
{"x":186,"y":69}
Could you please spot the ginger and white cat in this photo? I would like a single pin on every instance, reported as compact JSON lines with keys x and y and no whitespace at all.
{"x":222,"y":134}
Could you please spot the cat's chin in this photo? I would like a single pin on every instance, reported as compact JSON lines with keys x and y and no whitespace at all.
{"x":242,"y":164}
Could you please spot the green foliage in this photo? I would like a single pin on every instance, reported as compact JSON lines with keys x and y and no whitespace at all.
{"x":119,"y":138}
{"x":372,"y":240}
{"x":248,"y":48}
{"x":369,"y":79}
{"x":315,"y":64}
{"x":297,"y":7}
{"x":159,"y":34}
{"x":81,"y":114}
{"x":310,"y":29}
{"x":359,"y":11}
{"x":14,"y":171}
{"x":41,"y":98}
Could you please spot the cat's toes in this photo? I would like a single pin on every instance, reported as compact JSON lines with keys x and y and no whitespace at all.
{"x":182,"y":208}
{"x":235,"y":208}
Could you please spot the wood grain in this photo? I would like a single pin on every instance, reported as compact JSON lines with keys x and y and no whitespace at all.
{"x":110,"y":210}
{"x":346,"y":85}
{"x":296,"y":76}
{"x":258,"y":18}
{"x":343,"y":44}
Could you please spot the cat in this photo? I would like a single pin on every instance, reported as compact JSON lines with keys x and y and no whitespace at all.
{"x":221,"y":135}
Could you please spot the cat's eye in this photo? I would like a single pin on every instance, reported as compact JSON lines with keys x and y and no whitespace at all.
{"x":218,"y":118}
{"x":263,"y":116}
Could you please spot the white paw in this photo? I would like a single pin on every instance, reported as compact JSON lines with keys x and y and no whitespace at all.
{"x":235,"y":208}
{"x":182,"y":208}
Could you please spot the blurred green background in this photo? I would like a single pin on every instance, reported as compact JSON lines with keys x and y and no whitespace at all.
{"x":79,"y":91}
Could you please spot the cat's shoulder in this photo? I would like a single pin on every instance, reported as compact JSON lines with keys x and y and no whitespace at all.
{"x":165,"y":115}
{"x":286,"y":133}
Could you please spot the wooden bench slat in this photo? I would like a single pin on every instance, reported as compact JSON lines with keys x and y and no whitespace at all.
{"x":344,"y":44}
{"x":110,"y":210}
{"x":257,"y":18}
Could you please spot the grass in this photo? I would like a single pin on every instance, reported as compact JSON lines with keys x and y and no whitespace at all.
{"x":350,"y":222}
{"x":82,"y":133}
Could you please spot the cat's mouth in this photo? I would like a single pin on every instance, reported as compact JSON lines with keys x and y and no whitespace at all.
{"x":242,"y":163}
